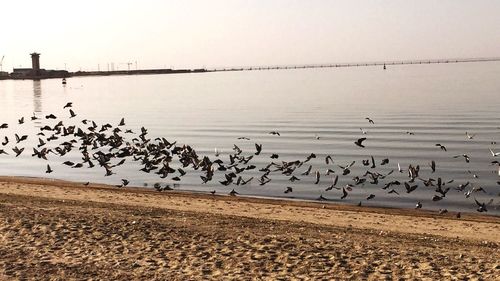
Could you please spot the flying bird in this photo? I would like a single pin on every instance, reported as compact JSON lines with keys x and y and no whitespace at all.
{"x":359,"y":142}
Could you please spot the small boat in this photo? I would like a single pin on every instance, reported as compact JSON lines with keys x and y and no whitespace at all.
{"x":64,"y":81}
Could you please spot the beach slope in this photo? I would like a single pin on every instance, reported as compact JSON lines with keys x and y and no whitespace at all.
{"x":61,"y":230}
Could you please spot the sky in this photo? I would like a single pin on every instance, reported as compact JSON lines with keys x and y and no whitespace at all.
{"x":91,"y":34}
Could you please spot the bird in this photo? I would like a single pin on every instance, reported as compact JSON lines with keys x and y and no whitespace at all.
{"x":363,"y":131}
{"x":243,"y":138}
{"x":433,"y":166}
{"x":49,"y":170}
{"x":344,"y":193}
{"x":469,"y":136}
{"x":125,"y":182}
{"x":288,"y":189}
{"x":465,"y":156}
{"x":233,"y":193}
{"x":6,"y":141}
{"x":482,"y":206}
{"x":17,"y":150}
{"x":4,"y":126}
{"x":69,"y":104}
{"x":359,"y":142}
{"x":20,"y":138}
{"x":441,"y":146}
{"x":21,"y":121}
{"x":494,"y":154}
{"x":371,"y":196}
{"x":328,"y":159}
{"x":72,"y":113}
{"x":275,"y":133}
{"x":258,"y":147}
{"x":369,"y":120}
{"x":317,"y":175}
{"x":418,"y":205}
{"x":50,"y":116}
{"x":122,"y":122}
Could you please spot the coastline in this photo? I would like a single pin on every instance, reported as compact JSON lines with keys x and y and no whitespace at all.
{"x":53,"y":228}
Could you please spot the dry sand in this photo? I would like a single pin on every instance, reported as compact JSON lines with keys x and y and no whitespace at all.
{"x":61,"y":231}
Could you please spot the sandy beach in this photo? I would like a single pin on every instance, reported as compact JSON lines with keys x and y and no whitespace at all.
{"x":56,"y":230}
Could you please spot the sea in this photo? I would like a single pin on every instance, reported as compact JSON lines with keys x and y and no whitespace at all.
{"x":316,"y":111}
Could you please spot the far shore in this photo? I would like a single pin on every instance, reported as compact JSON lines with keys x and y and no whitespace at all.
{"x":53,"y":229}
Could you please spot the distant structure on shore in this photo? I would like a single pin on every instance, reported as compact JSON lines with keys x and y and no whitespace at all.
{"x":35,"y":72}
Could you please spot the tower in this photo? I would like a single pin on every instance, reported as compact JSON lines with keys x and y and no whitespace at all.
{"x":35,"y":62}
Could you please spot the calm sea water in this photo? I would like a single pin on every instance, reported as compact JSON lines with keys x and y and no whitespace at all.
{"x":316,"y":111}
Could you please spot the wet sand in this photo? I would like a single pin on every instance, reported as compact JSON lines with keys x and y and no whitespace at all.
{"x":62,"y":231}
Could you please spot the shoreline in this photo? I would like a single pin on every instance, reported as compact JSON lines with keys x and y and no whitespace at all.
{"x":54,"y":228}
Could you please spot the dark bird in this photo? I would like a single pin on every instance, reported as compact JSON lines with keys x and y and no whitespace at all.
{"x":465,"y":156}
{"x":4,"y":126}
{"x":306,"y":172}
{"x":72,"y":113}
{"x":21,"y":121}
{"x":317,"y":175}
{"x":328,"y":160}
{"x":50,"y":116}
{"x":274,"y":156}
{"x":288,"y":189}
{"x":34,"y":117}
{"x":49,"y":170}
{"x":393,"y":191}
{"x":359,"y":142}
{"x":20,"y":138}
{"x":433,"y":166}
{"x":441,"y":146}
{"x":258,"y":147}
{"x":418,"y":206}
{"x":371,"y":196}
{"x":18,"y":151}
{"x":125,"y":182}
{"x":437,"y":198}
{"x":275,"y":133}
{"x":369,"y":120}
{"x":344,"y":193}
{"x":3,"y":152}
{"x":122,"y":122}
{"x":6,"y":141}
{"x":482,"y":206}
{"x":233,"y":192}
{"x":69,"y":104}
{"x":409,"y":188}
{"x":384,"y":161}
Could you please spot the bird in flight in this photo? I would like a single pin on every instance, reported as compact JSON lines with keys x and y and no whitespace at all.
{"x":369,"y":120}
{"x":494,"y":154}
{"x":359,"y":142}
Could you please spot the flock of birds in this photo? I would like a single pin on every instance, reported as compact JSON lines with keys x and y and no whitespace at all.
{"x":107,"y":146}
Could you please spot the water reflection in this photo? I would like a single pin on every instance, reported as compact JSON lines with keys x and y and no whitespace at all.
{"x":37,"y":100}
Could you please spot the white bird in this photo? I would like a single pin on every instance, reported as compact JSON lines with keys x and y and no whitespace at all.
{"x":469,"y":136}
{"x":363,"y":131}
{"x":495,"y":154}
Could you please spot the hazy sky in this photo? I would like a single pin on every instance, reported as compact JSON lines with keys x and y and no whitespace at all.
{"x":188,"y":33}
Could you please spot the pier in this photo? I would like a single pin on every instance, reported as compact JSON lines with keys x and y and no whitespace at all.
{"x":356,"y":64}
